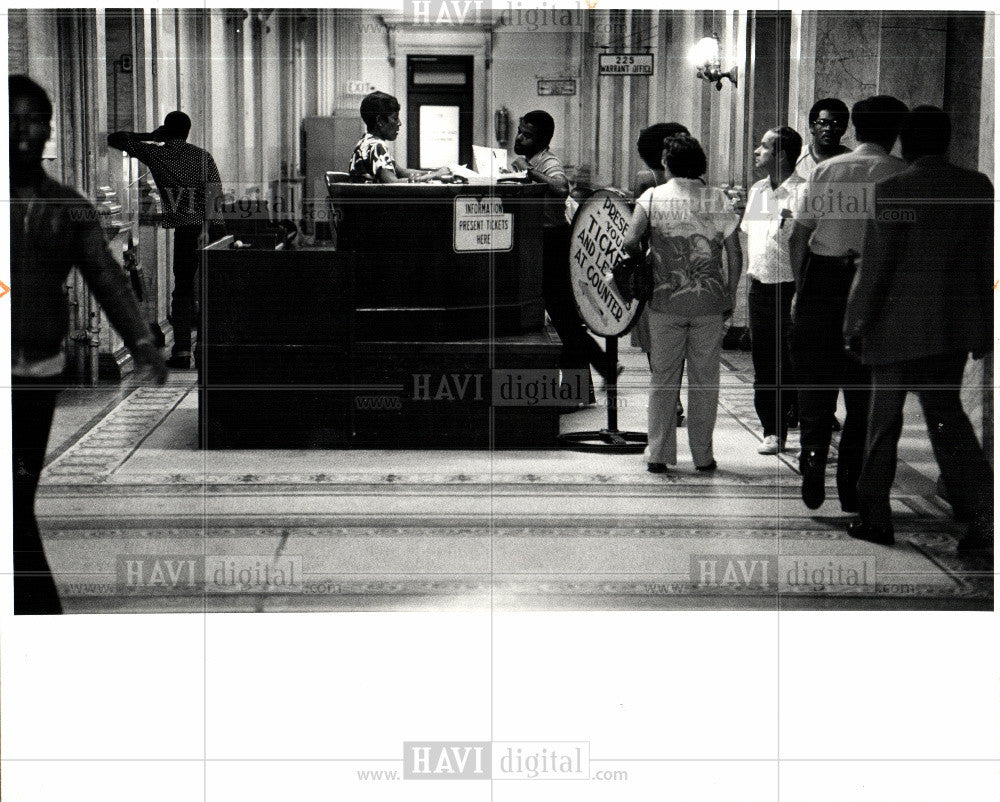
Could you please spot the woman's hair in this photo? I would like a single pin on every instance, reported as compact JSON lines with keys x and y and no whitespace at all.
{"x":684,"y":157}
{"x":376,"y":104}
{"x":650,"y":142}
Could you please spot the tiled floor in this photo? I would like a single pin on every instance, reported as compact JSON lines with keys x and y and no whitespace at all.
{"x":551,"y":529}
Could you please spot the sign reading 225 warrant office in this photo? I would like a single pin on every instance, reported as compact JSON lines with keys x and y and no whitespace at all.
{"x":630,"y":64}
{"x":482,"y":225}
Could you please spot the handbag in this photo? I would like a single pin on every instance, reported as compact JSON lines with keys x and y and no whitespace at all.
{"x":633,"y":275}
{"x":633,"y":278}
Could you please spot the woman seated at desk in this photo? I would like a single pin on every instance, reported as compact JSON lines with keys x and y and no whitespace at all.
{"x":371,"y":160}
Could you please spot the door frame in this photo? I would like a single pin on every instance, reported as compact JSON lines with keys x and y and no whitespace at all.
{"x":418,"y":40}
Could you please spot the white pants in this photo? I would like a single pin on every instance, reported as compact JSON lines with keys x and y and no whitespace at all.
{"x":674,"y":339}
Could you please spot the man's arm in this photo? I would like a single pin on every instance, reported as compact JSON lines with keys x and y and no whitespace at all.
{"x":798,"y":247}
{"x":881,"y":247}
{"x":108,"y":283}
{"x":135,"y":144}
{"x":734,"y":262}
{"x":213,"y":191}
{"x":558,"y":183}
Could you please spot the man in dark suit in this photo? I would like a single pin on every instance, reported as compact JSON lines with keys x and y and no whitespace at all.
{"x":921,"y":302}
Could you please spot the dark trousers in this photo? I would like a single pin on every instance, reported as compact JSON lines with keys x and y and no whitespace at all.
{"x":770,"y":308}
{"x":823,"y":368}
{"x":579,"y":349}
{"x":33,"y":402}
{"x":186,"y":260}
{"x":966,"y":474}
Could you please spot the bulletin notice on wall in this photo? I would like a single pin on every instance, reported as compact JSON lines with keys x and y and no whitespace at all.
{"x":482,"y":225}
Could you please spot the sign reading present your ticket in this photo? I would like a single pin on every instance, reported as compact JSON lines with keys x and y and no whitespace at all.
{"x":599,"y":227}
{"x":482,"y":225}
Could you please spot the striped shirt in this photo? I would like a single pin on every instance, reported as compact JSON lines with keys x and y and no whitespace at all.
{"x":546,"y":163}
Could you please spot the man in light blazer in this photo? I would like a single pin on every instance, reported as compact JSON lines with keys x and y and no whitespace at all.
{"x":922,"y":300}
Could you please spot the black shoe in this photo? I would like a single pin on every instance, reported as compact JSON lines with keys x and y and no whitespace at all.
{"x":656,"y":467}
{"x":707,"y":468}
{"x":813,"y":480}
{"x":862,"y":530}
{"x":179,"y":362}
{"x":975,"y":548}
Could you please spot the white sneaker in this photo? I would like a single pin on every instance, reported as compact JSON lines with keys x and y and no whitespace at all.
{"x":771,"y":445}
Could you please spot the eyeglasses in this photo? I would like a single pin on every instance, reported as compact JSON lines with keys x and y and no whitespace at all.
{"x":826,"y":124}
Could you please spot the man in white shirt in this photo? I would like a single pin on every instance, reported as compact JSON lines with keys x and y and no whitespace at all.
{"x":831,"y":215}
{"x":767,"y":223}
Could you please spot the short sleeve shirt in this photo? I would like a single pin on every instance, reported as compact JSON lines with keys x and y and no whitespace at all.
{"x":370,"y":155}
{"x":546,"y":163}
{"x":768,"y":226}
{"x":838,"y":199}
{"x":807,"y":161}
{"x":688,"y":222}
{"x":186,"y":176}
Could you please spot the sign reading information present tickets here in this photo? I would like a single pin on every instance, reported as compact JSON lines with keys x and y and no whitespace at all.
{"x":482,"y":225}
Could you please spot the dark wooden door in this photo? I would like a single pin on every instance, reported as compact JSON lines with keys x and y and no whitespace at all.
{"x":438,"y":95}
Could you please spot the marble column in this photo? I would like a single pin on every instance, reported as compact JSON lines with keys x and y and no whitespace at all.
{"x":802,"y":69}
{"x":987,"y":123}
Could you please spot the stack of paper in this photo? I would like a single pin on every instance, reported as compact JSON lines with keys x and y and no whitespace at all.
{"x":491,"y":164}
{"x":469,"y":175}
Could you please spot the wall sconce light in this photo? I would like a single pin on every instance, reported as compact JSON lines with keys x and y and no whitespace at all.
{"x":705,"y":57}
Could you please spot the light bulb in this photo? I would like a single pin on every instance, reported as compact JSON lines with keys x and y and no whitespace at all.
{"x":705,"y":53}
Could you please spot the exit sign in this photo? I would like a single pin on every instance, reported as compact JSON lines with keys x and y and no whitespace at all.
{"x":359,"y":88}
{"x":630,"y":64}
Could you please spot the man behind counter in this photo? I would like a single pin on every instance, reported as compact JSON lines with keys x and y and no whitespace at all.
{"x":371,"y":160}
{"x":534,"y":132}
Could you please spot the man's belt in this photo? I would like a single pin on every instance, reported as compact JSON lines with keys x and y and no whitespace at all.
{"x":842,"y":261}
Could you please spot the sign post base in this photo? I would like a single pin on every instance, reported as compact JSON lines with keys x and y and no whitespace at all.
{"x":609,"y":440}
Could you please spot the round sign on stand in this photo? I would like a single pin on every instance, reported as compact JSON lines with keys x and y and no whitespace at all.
{"x":598,"y":234}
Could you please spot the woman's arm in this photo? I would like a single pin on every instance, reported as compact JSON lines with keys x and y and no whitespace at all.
{"x":398,"y":174}
{"x":636,"y":230}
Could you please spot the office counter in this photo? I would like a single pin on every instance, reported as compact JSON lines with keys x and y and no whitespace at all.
{"x":401,"y":337}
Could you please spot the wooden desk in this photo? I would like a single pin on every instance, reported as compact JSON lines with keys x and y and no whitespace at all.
{"x":284,"y":365}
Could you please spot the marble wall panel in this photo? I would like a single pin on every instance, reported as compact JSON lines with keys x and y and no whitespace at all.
{"x":963,"y":86}
{"x":847,"y":56}
{"x":912,"y":62}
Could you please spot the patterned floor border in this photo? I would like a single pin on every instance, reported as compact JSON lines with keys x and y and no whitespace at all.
{"x":93,"y":463}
